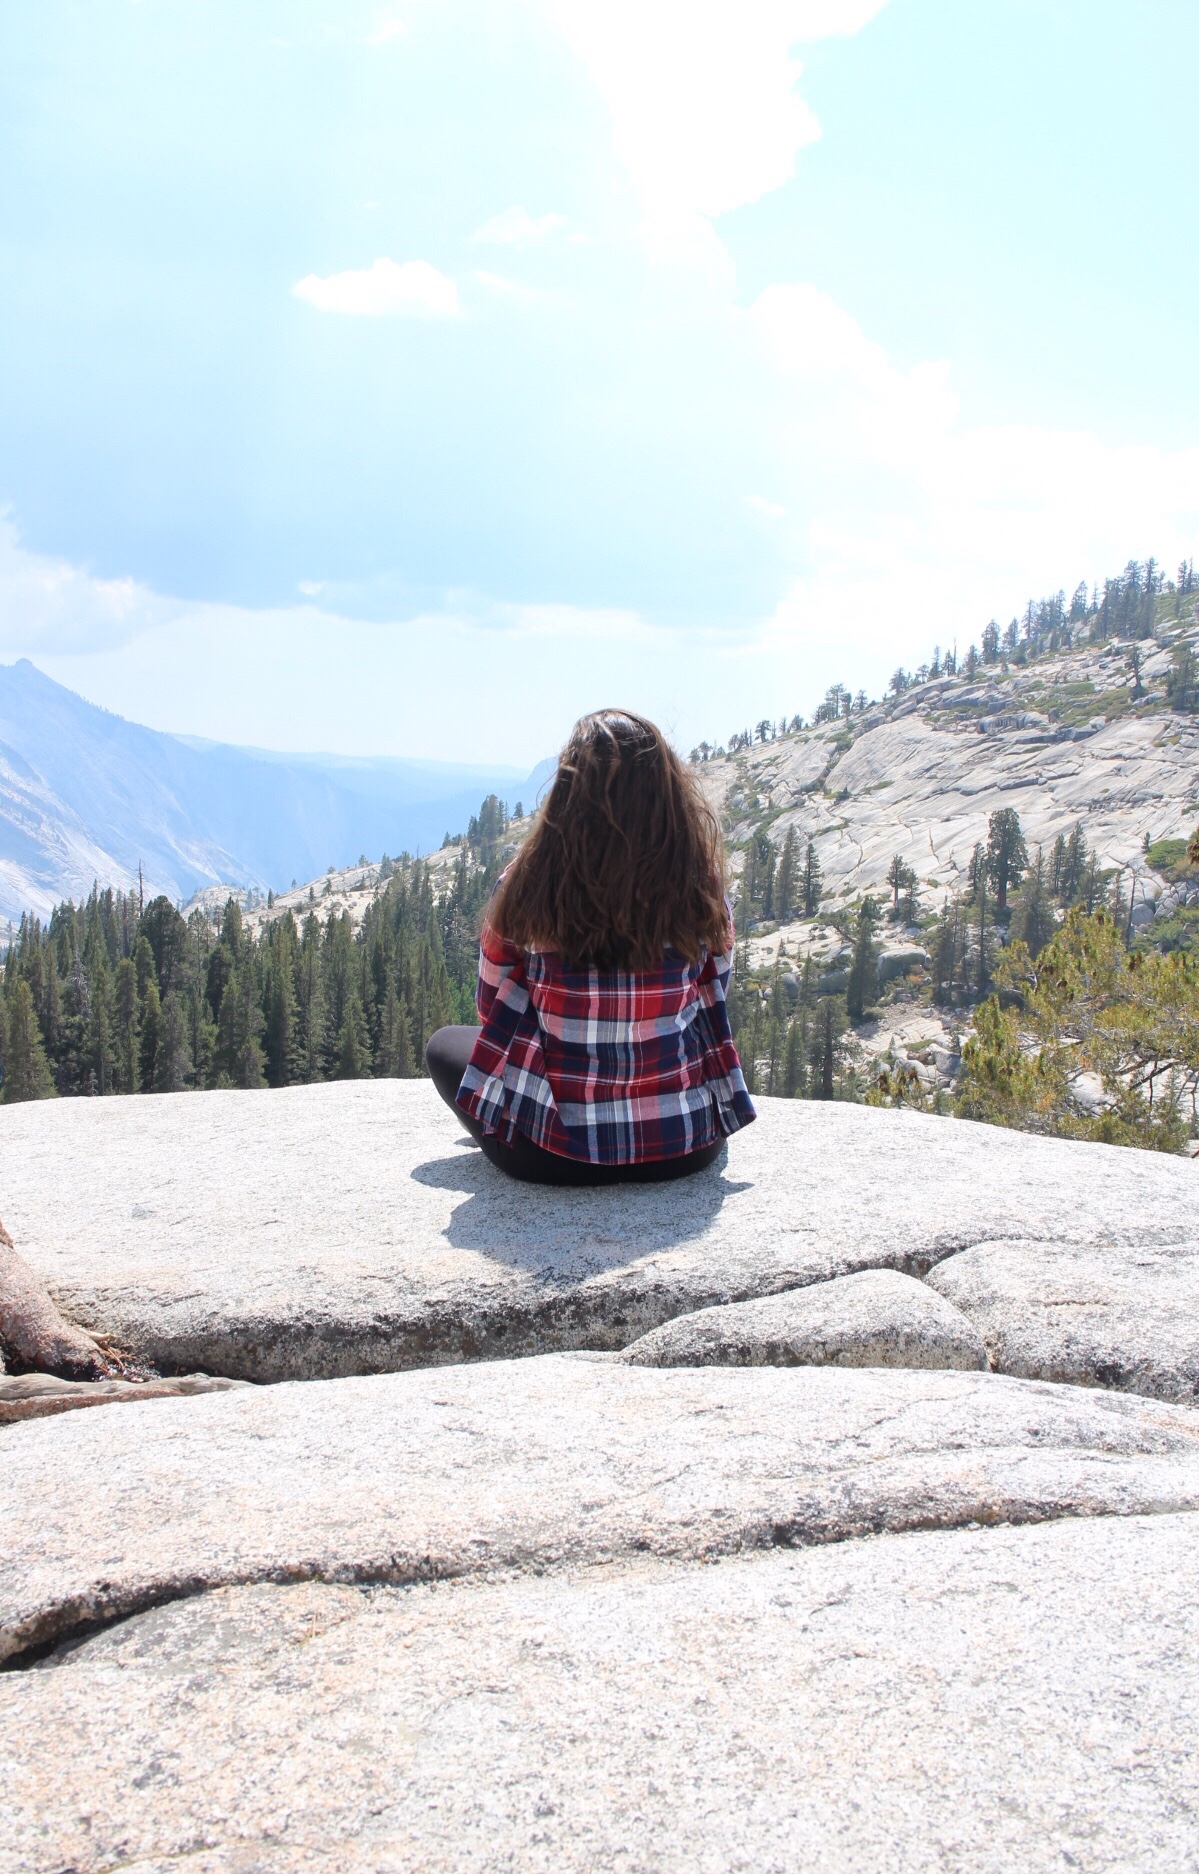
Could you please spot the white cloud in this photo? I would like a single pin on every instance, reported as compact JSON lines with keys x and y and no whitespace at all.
{"x":906,"y":526}
{"x":919,"y":526}
{"x":46,"y":604}
{"x":511,"y":289}
{"x":388,"y":23}
{"x":516,"y":227}
{"x":705,"y":114}
{"x":383,"y":290}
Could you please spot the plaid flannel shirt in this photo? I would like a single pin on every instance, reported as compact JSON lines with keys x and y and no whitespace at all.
{"x":611,"y":1067}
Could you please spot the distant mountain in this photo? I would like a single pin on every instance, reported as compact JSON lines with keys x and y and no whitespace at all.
{"x":85,"y":795}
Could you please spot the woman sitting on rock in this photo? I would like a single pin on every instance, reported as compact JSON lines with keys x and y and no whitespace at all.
{"x":604,"y":1055}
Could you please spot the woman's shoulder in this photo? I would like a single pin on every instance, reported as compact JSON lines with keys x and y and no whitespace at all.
{"x":497,"y":948}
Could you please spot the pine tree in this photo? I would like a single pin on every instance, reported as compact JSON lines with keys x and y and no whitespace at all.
{"x":239,"y":1056}
{"x":829,"y":1022}
{"x":353,"y":1057}
{"x":1033,"y":922}
{"x":101,"y":1060}
{"x":168,"y":936}
{"x":795,"y":1074}
{"x":811,"y":884}
{"x":949,"y":954}
{"x":143,"y":963}
{"x":433,"y":1006}
{"x":221,"y":965}
{"x":785,"y":881}
{"x":310,"y":1004}
{"x":173,"y":1062}
{"x":393,"y":1060}
{"x":982,"y":930}
{"x":1007,"y":855}
{"x":151,"y":1038}
{"x":127,"y":1039}
{"x":233,"y":929}
{"x":280,"y":1001}
{"x":1070,"y":865}
{"x":861,"y":991}
{"x":27,"y":1073}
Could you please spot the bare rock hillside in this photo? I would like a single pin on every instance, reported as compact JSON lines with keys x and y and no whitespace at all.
{"x":1061,"y":740}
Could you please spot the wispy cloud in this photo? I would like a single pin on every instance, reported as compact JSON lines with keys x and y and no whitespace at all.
{"x":516,"y":227}
{"x":510,"y":289}
{"x":387,"y":25}
{"x":705,"y":112}
{"x":385,"y":290}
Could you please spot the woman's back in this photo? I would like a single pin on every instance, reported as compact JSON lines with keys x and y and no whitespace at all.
{"x":603,"y":967}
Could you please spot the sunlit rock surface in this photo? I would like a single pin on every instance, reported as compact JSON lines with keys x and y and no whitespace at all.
{"x":1020,"y":1698}
{"x":874,"y":1318}
{"x":352,"y":1228}
{"x":577,"y":1611}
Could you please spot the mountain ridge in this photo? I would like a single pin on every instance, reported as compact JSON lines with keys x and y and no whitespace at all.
{"x":86,"y":795}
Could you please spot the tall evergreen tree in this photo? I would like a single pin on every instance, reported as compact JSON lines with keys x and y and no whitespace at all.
{"x":1007,"y":854}
{"x":353,"y":1058}
{"x":151,"y":1038}
{"x":27,"y":1073}
{"x":811,"y":887}
{"x":393,"y":1060}
{"x":786,"y":882}
{"x":239,"y":1057}
{"x":281,"y":1014}
{"x":861,"y":991}
{"x":1033,"y":922}
{"x":310,"y":1004}
{"x":829,"y":1024}
{"x":101,"y":1061}
{"x":795,"y":1073}
{"x":173,"y":1060}
{"x":127,"y":1039}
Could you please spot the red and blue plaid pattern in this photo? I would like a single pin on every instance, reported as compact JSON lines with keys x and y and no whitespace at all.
{"x":611,"y":1067}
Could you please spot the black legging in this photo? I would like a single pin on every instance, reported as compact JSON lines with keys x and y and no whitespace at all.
{"x":446,"y":1057}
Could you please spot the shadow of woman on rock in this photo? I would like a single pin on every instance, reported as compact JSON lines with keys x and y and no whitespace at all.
{"x":568,"y":1232}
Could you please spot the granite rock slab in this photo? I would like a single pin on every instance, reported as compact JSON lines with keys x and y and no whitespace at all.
{"x":1125,"y":1317}
{"x":569,"y":1459}
{"x":1016,"y":1699}
{"x":353,"y":1228}
{"x":39,"y":1395}
{"x":874,"y":1318}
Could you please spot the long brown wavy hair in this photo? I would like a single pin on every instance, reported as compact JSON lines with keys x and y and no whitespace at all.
{"x":625,"y":859}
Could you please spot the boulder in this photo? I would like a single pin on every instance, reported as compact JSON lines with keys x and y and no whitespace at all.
{"x":568,"y":1460}
{"x":895,"y":963}
{"x":1017,"y":1699}
{"x":39,"y":1395}
{"x":352,"y":1228}
{"x":875,"y":1318}
{"x":1122,"y":1315}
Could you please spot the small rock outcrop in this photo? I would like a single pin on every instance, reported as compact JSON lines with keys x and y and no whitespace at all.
{"x":38,"y":1395}
{"x":875,"y":1318}
{"x":1121,"y":1316}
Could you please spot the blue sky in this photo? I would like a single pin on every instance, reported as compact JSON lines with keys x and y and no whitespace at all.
{"x":406,"y":378}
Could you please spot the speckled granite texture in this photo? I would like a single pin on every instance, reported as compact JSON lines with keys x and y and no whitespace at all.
{"x":351,"y":1228}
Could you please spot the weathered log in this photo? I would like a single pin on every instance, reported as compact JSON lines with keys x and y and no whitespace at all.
{"x":34,"y":1334}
